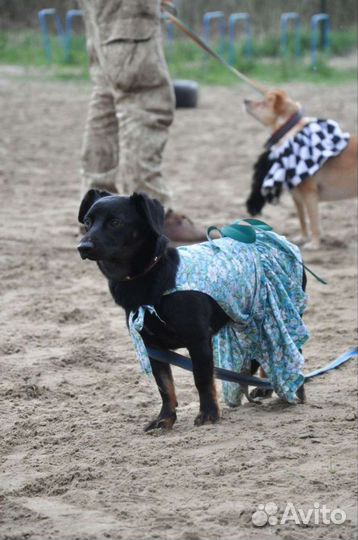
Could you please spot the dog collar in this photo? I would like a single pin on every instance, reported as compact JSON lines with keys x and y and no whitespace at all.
{"x":285,"y":128}
{"x":148,"y":269}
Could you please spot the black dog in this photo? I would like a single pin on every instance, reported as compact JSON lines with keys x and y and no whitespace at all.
{"x":125,"y":236}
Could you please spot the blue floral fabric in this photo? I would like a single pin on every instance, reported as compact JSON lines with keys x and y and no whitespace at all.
{"x":259,"y":286}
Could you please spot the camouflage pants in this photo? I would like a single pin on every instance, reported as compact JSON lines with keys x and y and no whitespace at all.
{"x":130,"y":111}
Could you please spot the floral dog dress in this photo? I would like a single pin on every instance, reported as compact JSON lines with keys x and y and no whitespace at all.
{"x":259,"y":286}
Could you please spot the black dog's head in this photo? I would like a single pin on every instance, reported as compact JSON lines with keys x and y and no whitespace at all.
{"x":121,"y":232}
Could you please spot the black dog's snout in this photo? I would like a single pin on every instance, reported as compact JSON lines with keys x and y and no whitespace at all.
{"x":86,"y":249}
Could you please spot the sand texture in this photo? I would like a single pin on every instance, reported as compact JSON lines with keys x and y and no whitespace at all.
{"x":75,"y":463}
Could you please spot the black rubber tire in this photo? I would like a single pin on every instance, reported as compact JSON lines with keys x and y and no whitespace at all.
{"x":186,"y":94}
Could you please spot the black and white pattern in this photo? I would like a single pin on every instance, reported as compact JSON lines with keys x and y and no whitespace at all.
{"x":302,"y":156}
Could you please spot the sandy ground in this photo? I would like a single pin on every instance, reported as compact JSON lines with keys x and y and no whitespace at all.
{"x":75,"y":462}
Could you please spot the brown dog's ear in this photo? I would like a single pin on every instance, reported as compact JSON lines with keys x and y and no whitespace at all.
{"x":89,"y":199}
{"x":151,"y":210}
{"x":280,"y":101}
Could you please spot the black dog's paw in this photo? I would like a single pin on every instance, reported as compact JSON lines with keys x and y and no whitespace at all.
{"x":301,"y":394}
{"x":161,"y":422}
{"x":263,"y":393}
{"x":207,"y":416}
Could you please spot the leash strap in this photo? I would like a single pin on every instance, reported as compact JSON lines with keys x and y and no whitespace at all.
{"x":334,"y":364}
{"x":175,"y":359}
{"x":194,"y":37}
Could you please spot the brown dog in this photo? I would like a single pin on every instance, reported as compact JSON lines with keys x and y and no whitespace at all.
{"x":334,"y":180}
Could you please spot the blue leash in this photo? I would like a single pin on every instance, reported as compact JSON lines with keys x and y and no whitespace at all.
{"x":175,"y":359}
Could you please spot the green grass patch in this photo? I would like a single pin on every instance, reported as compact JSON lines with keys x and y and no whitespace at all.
{"x":27,"y":48}
{"x":341,"y":44}
{"x":187,"y":61}
{"x":274,"y":72}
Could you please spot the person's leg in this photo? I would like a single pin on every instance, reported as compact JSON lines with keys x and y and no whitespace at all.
{"x":144,"y":98}
{"x":145,"y":109}
{"x":100,"y":144}
{"x":143,"y":136}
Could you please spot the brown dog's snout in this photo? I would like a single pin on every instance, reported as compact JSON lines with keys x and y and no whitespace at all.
{"x":86,"y":249}
{"x":249,"y":103}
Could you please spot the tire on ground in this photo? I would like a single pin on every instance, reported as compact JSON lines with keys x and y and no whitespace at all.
{"x":186,"y":93}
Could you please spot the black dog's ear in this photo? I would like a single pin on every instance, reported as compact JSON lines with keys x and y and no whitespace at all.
{"x":152,"y":211}
{"x":89,"y":199}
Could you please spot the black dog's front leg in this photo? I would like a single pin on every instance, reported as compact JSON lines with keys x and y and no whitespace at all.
{"x":164,"y":379}
{"x":203,"y":368}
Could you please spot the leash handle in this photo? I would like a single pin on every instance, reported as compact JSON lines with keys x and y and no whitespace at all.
{"x":168,"y":6}
{"x":242,"y":230}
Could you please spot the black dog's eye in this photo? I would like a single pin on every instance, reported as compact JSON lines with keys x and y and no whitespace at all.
{"x":87,"y":223}
{"x":115,"y":223}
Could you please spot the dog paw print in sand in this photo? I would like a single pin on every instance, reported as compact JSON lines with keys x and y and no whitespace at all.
{"x":74,"y":316}
{"x":26,"y":391}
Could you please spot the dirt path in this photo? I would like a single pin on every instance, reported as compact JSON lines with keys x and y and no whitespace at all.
{"x":74,"y":460}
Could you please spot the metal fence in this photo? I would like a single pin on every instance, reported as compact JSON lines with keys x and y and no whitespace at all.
{"x":265,"y":13}
{"x":214,"y":25}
